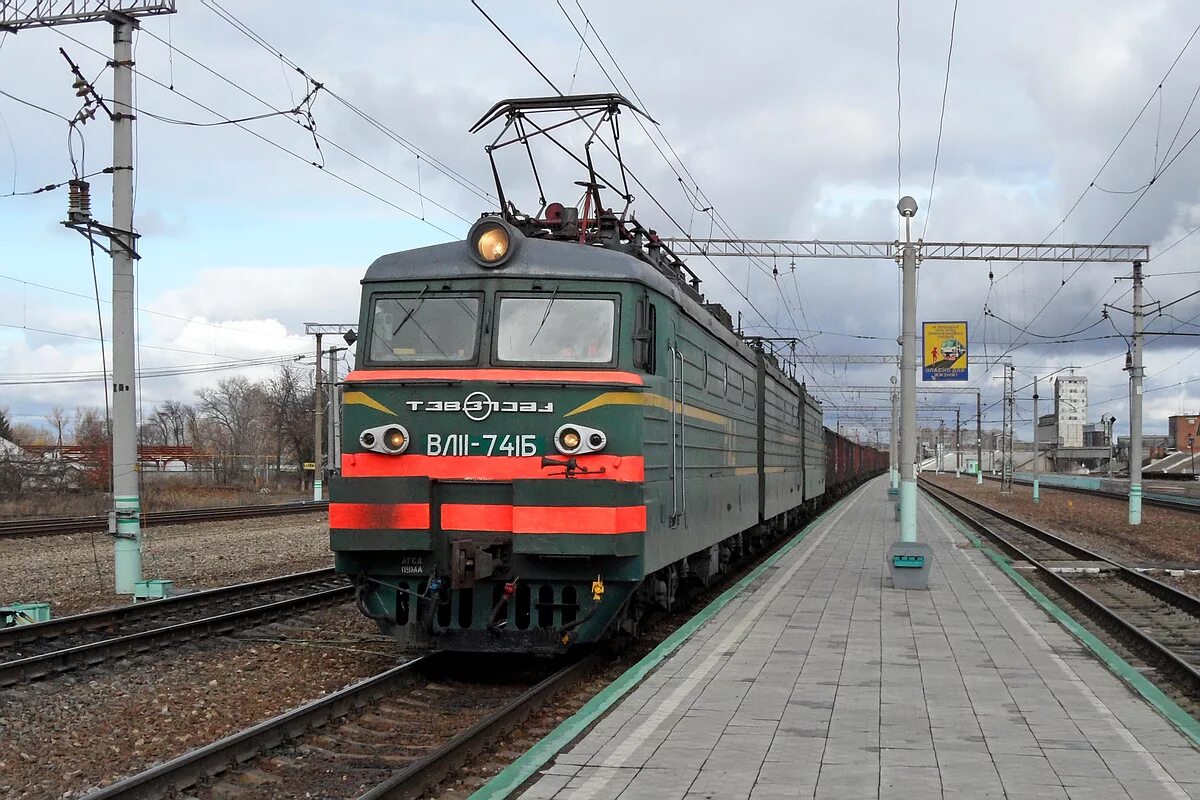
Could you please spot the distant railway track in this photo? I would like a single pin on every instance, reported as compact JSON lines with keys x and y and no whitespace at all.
{"x":1180,"y":504}
{"x":28,"y":652}
{"x":1156,"y":620}
{"x":397,"y":734}
{"x":54,"y":526}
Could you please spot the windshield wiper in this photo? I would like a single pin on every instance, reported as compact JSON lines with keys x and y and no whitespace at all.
{"x":420,"y":298}
{"x":545,"y":316}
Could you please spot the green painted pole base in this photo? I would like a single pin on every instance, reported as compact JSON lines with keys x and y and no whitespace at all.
{"x":1037,"y":497}
{"x":317,"y":491}
{"x":127,"y":546}
{"x":909,"y":564}
{"x":1135,"y":504}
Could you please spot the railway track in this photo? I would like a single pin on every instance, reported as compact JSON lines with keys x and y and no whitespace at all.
{"x":35,"y":651}
{"x":1150,"y":498}
{"x":55,"y":526}
{"x":395,"y":735}
{"x":1159,"y":622}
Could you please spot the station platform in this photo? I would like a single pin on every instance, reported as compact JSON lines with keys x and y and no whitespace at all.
{"x":821,"y":680}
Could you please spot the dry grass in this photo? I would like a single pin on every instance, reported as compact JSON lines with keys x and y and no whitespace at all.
{"x":162,"y":497}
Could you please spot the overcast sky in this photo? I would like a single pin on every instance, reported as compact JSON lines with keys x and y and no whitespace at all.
{"x":784,"y":115}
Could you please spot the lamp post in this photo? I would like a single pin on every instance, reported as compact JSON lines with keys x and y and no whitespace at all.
{"x":908,"y":560}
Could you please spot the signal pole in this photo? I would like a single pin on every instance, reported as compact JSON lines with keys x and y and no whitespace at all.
{"x":126,"y":517}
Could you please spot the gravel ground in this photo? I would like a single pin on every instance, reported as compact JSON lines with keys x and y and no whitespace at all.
{"x":63,"y":737}
{"x":63,"y":569}
{"x":1098,"y":523}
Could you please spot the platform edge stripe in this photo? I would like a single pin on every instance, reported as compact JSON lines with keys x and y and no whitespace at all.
{"x":1164,"y":705}
{"x":525,"y":767}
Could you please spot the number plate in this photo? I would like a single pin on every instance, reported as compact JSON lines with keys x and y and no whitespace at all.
{"x":481,"y":444}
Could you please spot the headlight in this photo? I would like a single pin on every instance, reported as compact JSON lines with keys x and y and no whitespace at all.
{"x":391,"y":439}
{"x":569,"y":440}
{"x":492,"y":241}
{"x":572,"y":440}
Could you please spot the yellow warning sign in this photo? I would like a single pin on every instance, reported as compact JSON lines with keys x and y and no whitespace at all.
{"x":945,"y":351}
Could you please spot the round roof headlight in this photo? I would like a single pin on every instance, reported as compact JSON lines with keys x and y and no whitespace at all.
{"x":491,"y":242}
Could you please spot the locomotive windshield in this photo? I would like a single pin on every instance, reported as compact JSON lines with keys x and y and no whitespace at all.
{"x":422,"y":328}
{"x":556,"y":329}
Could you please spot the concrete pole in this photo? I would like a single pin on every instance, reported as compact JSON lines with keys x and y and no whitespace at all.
{"x":908,"y":384}
{"x":318,"y":413}
{"x":127,"y":546}
{"x":1036,"y":496}
{"x":895,"y":463}
{"x":979,"y":438}
{"x":1135,"y":404}
{"x":958,"y":442}
{"x":331,"y":410}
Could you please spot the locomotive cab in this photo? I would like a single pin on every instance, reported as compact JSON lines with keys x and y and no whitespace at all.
{"x":492,"y":488}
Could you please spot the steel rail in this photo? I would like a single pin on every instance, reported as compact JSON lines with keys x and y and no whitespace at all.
{"x":55,"y":526}
{"x":123,"y":615}
{"x":178,"y":774}
{"x":1187,"y":673}
{"x":31,"y":667}
{"x":183,"y":771}
{"x":1158,"y":500}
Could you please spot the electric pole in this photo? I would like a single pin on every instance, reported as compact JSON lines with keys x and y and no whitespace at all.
{"x":1036,"y":497}
{"x":895,"y":466}
{"x":126,"y":517}
{"x":1006,"y":443}
{"x":1135,"y":403}
{"x":318,"y":414}
{"x":958,"y":442}
{"x":979,"y":438}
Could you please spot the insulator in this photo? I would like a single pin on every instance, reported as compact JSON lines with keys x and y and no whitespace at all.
{"x":81,"y":87}
{"x":79,"y":201}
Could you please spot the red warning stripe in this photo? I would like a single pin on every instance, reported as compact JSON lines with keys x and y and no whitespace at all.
{"x":366,"y":516}
{"x":543,"y":519}
{"x":499,"y":375}
{"x":493,"y":468}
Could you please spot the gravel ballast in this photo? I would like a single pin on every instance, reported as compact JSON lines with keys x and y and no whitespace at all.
{"x":63,"y":737}
{"x":74,"y":572}
{"x":1165,"y":537}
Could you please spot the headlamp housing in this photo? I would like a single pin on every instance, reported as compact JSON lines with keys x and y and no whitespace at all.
{"x":391,"y":439}
{"x":574,"y":440}
{"x":492,"y":241}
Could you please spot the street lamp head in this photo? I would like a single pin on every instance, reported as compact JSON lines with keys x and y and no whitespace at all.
{"x":907,"y":206}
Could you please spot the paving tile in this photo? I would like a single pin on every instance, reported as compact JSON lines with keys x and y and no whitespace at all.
{"x":846,"y":688}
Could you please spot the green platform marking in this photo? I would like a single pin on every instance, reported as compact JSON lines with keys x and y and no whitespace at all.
{"x":511,"y":777}
{"x":1163,"y":704}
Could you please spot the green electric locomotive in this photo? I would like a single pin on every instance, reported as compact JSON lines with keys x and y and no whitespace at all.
{"x":544,"y":437}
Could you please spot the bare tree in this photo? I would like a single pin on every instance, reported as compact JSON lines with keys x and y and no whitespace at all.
{"x":234,"y":413}
{"x":59,"y":422}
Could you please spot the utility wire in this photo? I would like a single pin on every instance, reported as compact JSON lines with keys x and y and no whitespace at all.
{"x":941,"y":118}
{"x":271,"y":142}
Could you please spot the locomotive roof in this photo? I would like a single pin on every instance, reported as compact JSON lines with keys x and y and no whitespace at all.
{"x":548,"y":258}
{"x":535,"y":258}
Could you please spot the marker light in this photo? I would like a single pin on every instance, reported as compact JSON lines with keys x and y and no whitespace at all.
{"x":568,"y":440}
{"x":395,"y":440}
{"x":574,"y":440}
{"x":390,"y":439}
{"x":491,"y":242}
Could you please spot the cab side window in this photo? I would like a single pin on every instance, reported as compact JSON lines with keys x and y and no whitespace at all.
{"x":645,"y":326}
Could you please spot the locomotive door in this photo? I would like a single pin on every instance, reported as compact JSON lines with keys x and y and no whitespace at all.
{"x":678,"y":436}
